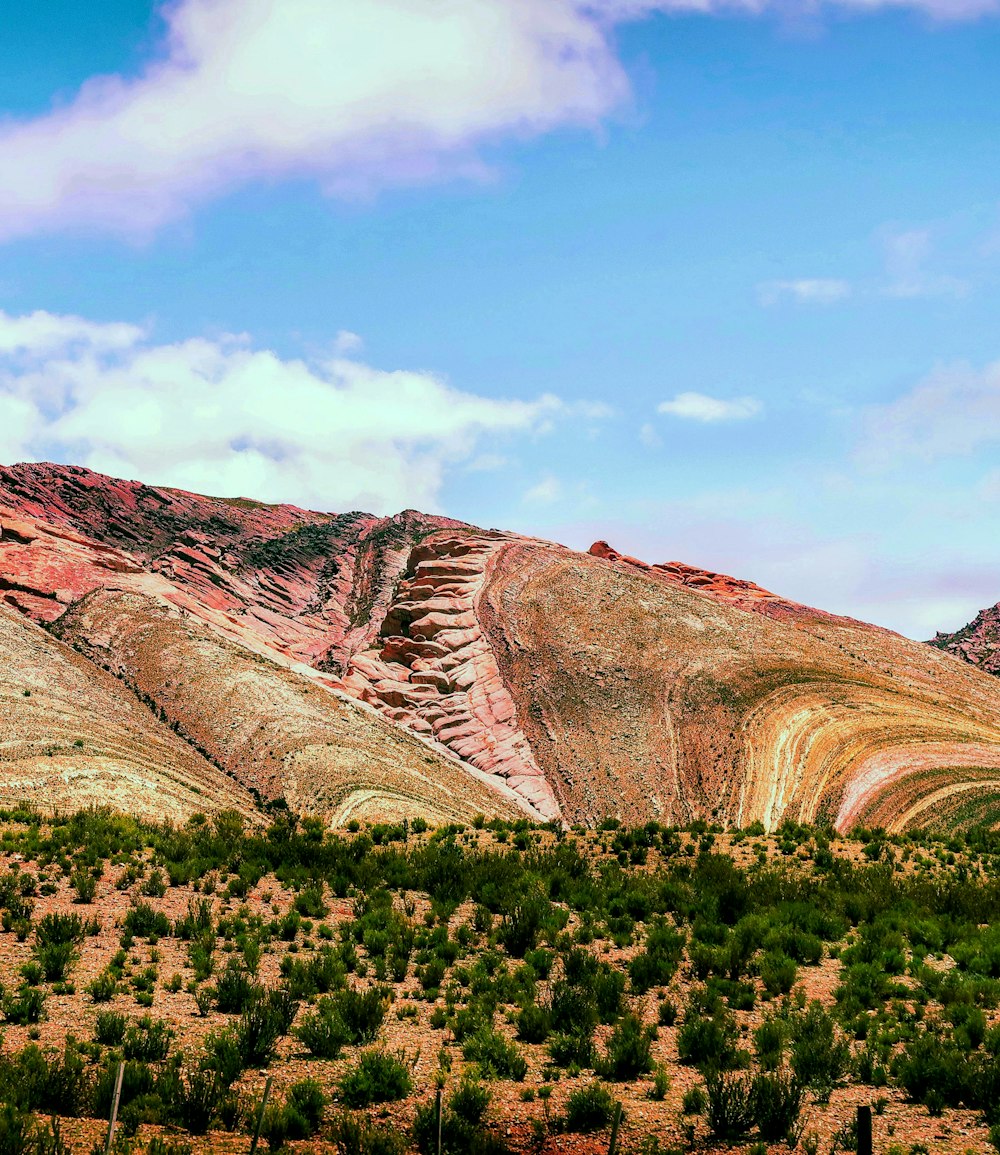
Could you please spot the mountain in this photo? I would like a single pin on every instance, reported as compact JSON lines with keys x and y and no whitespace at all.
{"x":354,"y":666}
{"x":978,"y":643}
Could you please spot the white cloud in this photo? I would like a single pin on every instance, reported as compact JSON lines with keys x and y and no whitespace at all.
{"x":811,"y":291}
{"x":701,"y":407}
{"x":546,"y":492}
{"x":222,"y":416}
{"x":648,"y":435}
{"x":952,"y":413}
{"x":347,"y":342}
{"x":357,"y":94}
{"x":906,"y":254}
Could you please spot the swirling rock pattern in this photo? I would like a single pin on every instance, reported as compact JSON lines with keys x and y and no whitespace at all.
{"x":357,"y":666}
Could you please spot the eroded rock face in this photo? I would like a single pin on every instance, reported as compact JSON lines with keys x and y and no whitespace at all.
{"x":978,"y":643}
{"x":389,"y":667}
{"x":433,"y":670}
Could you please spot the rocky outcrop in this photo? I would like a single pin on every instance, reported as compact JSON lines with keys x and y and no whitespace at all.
{"x":745,"y":595}
{"x":978,"y":643}
{"x":433,"y":670}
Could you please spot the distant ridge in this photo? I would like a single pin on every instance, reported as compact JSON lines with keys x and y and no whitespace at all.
{"x":354,"y":666}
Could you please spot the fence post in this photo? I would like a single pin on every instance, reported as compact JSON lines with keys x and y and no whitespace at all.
{"x":260,"y":1116}
{"x":116,"y":1098}
{"x":864,"y":1131}
{"x":615,"y":1123}
{"x":440,"y":1113}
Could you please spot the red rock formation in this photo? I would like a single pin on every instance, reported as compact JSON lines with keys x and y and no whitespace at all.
{"x":978,"y":643}
{"x":734,"y":591}
{"x":511,"y":672}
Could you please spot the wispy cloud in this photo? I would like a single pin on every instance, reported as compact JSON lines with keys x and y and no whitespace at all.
{"x":545,"y":492}
{"x":951,"y":413}
{"x":357,"y":94}
{"x":701,"y":407}
{"x":808,"y":291}
{"x":223,"y":416}
{"x":906,"y":256}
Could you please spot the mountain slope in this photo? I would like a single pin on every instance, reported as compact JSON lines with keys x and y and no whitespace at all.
{"x":388,"y":667}
{"x":69,"y":737}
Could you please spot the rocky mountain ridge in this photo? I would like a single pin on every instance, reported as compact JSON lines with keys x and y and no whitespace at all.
{"x":356,"y":666}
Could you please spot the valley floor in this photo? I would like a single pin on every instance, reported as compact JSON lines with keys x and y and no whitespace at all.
{"x":730,"y":990}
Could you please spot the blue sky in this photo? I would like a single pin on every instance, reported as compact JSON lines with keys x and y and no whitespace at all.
{"x":718,"y":285}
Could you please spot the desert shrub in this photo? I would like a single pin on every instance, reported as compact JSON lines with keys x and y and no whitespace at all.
{"x":197,"y":921}
{"x":666,"y":1013}
{"x":657,"y":964}
{"x":937,"y":1072}
{"x":778,"y":973}
{"x":463,"y":1124}
{"x":24,"y":1006}
{"x":147,"y":1040}
{"x":730,"y":1104}
{"x":608,"y":988}
{"x":267,"y":1017}
{"x":102,"y":989}
{"x":819,"y":1057}
{"x":322,"y":973}
{"x":769,"y":1042}
{"x":362,"y":1013}
{"x":298,"y":1118}
{"x":59,"y":928}
{"x":193,"y":1096}
{"x":378,"y":1077}
{"x":589,"y":1108}
{"x":109,"y":1028}
{"x":57,"y":1082}
{"x":309,"y":903}
{"x":705,"y":1040}
{"x":356,"y":1135}
{"x":234,"y":989}
{"x":55,"y":959}
{"x":777,"y":1104}
{"x":533,"y":1023}
{"x":694,"y":1100}
{"x":85,"y":885}
{"x":496,"y":1056}
{"x":661,"y":1083}
{"x":142,"y":921}
{"x":322,"y":1032}
{"x":629,"y":1052}
{"x":224,"y":1055}
{"x":21,"y":1134}
{"x":522,"y":923}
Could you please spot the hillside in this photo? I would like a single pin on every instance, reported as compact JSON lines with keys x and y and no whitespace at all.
{"x":356,"y":666}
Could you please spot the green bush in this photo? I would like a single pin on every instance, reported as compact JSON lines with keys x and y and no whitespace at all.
{"x":495,"y":1055}
{"x":25,"y":1006}
{"x":378,"y":1077}
{"x":778,"y":973}
{"x":147,"y":1040}
{"x":109,"y":1029}
{"x":589,"y":1108}
{"x":356,"y":1135}
{"x":629,"y":1052}
{"x":819,"y":1057}
{"x":730,"y":1105}
{"x":777,"y":1104}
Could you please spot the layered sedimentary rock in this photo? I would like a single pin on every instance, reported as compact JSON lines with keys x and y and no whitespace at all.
{"x":69,"y":737}
{"x":272,"y":729}
{"x":647,"y":697}
{"x":357,"y":666}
